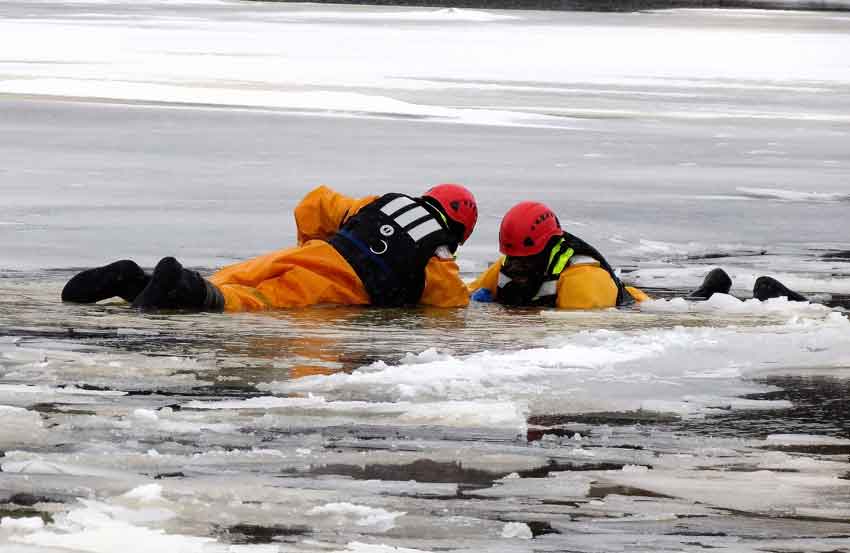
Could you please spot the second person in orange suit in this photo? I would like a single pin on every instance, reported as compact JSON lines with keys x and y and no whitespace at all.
{"x":389,"y":250}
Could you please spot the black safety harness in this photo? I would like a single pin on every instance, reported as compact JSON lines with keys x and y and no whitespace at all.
{"x":569,"y":250}
{"x":389,"y":242}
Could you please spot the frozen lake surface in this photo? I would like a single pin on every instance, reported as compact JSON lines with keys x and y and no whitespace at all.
{"x":674,"y":141}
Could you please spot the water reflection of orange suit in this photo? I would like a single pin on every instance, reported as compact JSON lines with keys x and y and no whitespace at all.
{"x":315,"y":273}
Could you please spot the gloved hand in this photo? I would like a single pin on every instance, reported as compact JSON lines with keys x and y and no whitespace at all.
{"x":482,"y":295}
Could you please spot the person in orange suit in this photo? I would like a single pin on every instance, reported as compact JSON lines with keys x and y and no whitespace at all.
{"x":388,"y":250}
{"x":543,"y":265}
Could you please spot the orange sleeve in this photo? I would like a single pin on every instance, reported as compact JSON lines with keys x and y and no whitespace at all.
{"x":443,"y":285}
{"x":322,"y":211}
{"x":488,"y":279}
{"x":586,"y":286}
{"x":637,"y":294}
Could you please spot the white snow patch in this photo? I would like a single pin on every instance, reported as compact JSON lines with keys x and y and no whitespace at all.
{"x":634,"y":468}
{"x":23,"y":524}
{"x":145,"y":494}
{"x":518,"y":530}
{"x":347,"y":514}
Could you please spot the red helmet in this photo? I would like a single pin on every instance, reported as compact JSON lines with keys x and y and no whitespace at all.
{"x":458,"y":204}
{"x":526,"y":229}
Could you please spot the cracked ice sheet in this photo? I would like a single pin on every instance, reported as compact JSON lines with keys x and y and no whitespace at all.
{"x":689,"y":371}
{"x":767,"y":492}
{"x":162,"y":515}
{"x":21,"y":428}
{"x":220,"y":498}
{"x":39,"y":361}
{"x":465,"y":414}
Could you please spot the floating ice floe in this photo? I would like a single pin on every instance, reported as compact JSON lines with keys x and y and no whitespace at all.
{"x":806,"y":280}
{"x":804,"y":439}
{"x":690,"y":250}
{"x":793,"y":195}
{"x":684,"y":370}
{"x":767,"y":492}
{"x":22,"y":524}
{"x":564,"y":486}
{"x":358,"y":547}
{"x":724,"y":303}
{"x":96,"y":527}
{"x":396,"y":14}
{"x":20,"y":427}
{"x":145,"y":494}
{"x":345,"y":514}
{"x":518,"y":530}
{"x":449,"y":413}
{"x":114,"y":370}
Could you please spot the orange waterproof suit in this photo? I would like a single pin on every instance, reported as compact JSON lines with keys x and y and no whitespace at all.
{"x":315,"y":273}
{"x":581,"y":285}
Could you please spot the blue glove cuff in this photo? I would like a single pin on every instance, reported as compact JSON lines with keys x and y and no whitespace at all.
{"x":482,"y":295}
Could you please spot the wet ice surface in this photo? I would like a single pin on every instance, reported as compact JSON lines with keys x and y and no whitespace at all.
{"x":334,"y":428}
{"x":704,"y":138}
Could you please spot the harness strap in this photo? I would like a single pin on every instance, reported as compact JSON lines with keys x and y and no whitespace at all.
{"x":364,"y":249}
{"x":389,"y":243}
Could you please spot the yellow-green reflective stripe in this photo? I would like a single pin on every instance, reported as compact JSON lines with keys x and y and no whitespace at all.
{"x":440,"y":213}
{"x":554,"y":252}
{"x":562,"y":262}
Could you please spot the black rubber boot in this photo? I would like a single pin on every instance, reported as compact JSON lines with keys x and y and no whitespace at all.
{"x":124,"y":279}
{"x":173,"y":287}
{"x":768,"y":287}
{"x":715,"y":282}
